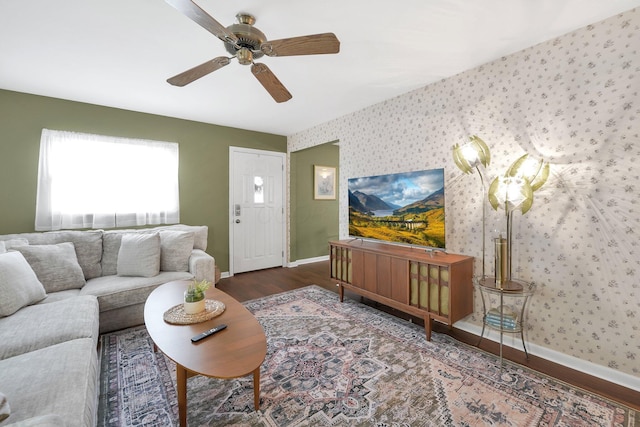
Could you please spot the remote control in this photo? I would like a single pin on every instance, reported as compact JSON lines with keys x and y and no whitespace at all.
{"x":208,"y":333}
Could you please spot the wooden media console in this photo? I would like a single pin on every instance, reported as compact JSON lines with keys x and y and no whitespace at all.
{"x":428,"y":284}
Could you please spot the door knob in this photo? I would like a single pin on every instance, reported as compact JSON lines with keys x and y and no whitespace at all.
{"x":237,"y":221}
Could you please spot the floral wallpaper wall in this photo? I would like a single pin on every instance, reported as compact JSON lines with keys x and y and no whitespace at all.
{"x":573,"y":101}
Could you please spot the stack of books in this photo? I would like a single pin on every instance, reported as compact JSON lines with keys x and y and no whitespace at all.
{"x":509,"y":318}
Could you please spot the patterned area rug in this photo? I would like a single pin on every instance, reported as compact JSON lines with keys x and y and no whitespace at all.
{"x":344,"y":364}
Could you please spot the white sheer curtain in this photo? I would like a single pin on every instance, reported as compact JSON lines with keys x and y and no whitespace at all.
{"x":95,"y":181}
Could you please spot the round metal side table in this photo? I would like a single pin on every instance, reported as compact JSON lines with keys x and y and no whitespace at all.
{"x":505,"y":318}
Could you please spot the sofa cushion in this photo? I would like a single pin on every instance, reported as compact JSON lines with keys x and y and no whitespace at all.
{"x":6,"y":245}
{"x":139,"y":255}
{"x":14,"y":243}
{"x":110,"y":247}
{"x":42,"y":325}
{"x":115,"y":292}
{"x":60,"y":295}
{"x":56,"y":266}
{"x":175,"y":250}
{"x":48,"y":420}
{"x":88,"y":246}
{"x":19,"y":285}
{"x":61,"y":379}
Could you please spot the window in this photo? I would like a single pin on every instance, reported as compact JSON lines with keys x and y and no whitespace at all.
{"x":258,"y":189}
{"x":95,"y":181}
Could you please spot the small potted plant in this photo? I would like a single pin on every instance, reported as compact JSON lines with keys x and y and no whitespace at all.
{"x":194,"y":297}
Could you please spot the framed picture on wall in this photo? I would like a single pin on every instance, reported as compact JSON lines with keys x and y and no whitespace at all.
{"x":324,"y":182}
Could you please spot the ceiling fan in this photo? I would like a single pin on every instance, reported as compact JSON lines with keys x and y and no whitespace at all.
{"x":246,"y":43}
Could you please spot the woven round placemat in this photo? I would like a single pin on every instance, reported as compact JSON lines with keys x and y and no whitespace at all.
{"x":176,"y":315}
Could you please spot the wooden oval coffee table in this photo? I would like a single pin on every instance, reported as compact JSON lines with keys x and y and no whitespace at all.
{"x":234,"y":352}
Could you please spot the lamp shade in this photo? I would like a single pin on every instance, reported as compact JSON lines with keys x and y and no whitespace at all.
{"x":535,"y":171}
{"x":511,"y":193}
{"x":469,"y":155}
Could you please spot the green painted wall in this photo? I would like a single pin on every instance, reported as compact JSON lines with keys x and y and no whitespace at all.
{"x":313,"y":222}
{"x":204,"y":158}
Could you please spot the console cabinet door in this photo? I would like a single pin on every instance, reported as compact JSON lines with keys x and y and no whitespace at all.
{"x":429,"y":285}
{"x":400,"y":280}
{"x":387,"y":276}
{"x":419,"y":285}
{"x":341,"y":264}
{"x":357,"y":261}
{"x":370,"y":272}
{"x":383,"y":268}
{"x":439,"y":290}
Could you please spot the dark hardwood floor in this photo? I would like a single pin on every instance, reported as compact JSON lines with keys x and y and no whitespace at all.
{"x":252,"y":285}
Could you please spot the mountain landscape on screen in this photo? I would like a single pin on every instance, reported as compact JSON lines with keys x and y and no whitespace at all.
{"x":401,"y":208}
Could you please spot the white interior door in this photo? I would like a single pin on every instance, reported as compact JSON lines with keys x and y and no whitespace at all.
{"x":256,"y":231}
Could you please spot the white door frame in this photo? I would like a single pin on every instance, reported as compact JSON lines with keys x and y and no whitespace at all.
{"x":285,"y":213}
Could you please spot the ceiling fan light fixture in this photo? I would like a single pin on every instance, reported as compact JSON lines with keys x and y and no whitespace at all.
{"x":244,"y":55}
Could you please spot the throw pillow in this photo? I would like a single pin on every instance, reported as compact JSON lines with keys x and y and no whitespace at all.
{"x":19,"y":285}
{"x":110,"y":247}
{"x":88,"y":246}
{"x":139,"y":255}
{"x":175,"y":250}
{"x":56,"y":266}
{"x":5,"y":410}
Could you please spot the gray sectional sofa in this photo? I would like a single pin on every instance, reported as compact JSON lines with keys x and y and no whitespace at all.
{"x":59,"y":290}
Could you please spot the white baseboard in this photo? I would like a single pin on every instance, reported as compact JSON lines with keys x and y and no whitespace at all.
{"x":590,"y":368}
{"x":291,"y":264}
{"x":308,"y":261}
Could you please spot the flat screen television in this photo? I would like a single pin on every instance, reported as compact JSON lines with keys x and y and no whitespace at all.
{"x":405,"y":208}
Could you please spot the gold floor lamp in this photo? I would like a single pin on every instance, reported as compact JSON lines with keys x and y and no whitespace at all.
{"x":467,"y":157}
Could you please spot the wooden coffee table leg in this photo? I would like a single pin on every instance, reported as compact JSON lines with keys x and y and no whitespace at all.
{"x":181,"y":380}
{"x":256,"y":388}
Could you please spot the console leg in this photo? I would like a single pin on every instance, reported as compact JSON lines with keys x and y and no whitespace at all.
{"x":428,"y":323}
{"x":341,"y":292}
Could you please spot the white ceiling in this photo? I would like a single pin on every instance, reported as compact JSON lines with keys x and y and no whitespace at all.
{"x":119,"y":53}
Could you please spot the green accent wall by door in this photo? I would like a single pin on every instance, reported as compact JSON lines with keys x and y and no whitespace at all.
{"x":313,"y":222}
{"x":204,"y":158}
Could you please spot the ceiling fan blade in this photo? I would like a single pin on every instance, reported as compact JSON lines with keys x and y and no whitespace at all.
{"x":198,"y":71}
{"x":202,"y":18}
{"x":270,"y":83}
{"x":315,"y":44}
